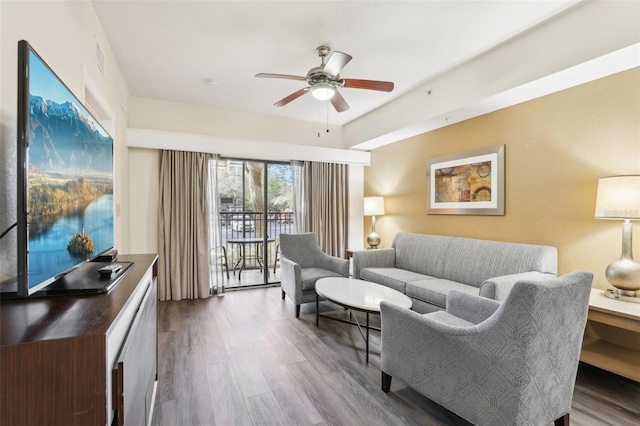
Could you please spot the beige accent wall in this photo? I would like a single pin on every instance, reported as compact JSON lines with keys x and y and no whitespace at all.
{"x":557,"y":147}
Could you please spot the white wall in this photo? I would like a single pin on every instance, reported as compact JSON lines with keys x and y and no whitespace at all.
{"x":586,"y":32}
{"x":144,"y":185}
{"x":356,"y":208}
{"x":223,"y":123}
{"x":240,"y":148}
{"x":64,"y":34}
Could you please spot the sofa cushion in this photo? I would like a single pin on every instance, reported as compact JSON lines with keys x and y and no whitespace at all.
{"x":420,"y":253}
{"x":391,"y":277}
{"x":435,"y":291}
{"x":472,"y":261}
{"x":309,"y":277}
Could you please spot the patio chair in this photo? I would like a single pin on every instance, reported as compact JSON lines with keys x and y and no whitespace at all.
{"x":219,"y":254}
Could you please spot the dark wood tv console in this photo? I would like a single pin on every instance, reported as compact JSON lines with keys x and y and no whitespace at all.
{"x":82,"y":360}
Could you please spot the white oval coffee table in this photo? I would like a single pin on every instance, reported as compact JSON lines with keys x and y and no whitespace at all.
{"x":359,"y":295}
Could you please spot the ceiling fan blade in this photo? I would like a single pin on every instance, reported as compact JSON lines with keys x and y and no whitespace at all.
{"x":283,"y":76}
{"x":336,"y":62}
{"x":383,"y":86}
{"x":292,"y":97}
{"x":338,"y":102}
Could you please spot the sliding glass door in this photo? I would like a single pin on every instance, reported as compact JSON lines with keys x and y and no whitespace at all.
{"x":255,"y":206}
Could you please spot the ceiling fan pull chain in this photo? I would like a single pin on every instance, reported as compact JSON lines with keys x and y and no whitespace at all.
{"x":327,"y":104}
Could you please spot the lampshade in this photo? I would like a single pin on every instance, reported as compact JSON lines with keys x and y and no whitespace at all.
{"x":618,"y":198}
{"x":373,"y":206}
{"x":323,"y":91}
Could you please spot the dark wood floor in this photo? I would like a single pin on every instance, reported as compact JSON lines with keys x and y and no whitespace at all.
{"x":243,"y":359}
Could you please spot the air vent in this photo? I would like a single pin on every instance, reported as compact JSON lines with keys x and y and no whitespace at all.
{"x":100,"y":58}
{"x":97,"y":104}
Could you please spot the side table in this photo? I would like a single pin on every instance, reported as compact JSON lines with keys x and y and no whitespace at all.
{"x":612,"y":336}
{"x":348,"y":254}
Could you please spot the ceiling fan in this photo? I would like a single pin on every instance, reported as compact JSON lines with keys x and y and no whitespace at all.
{"x":324,"y":81}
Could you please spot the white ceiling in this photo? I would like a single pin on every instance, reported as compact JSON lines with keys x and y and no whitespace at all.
{"x":169,"y":49}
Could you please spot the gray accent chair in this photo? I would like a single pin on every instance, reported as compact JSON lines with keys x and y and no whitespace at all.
{"x":302,"y":263}
{"x":493,"y":363}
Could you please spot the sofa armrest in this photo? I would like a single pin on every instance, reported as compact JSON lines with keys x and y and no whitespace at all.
{"x":335,"y":264}
{"x":498,"y":287}
{"x":378,"y":258}
{"x":291,"y":279}
{"x":410,"y":341}
{"x":470,"y":307}
{"x":396,"y":318}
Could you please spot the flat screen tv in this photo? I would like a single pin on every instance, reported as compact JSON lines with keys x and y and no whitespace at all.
{"x":65,"y":178}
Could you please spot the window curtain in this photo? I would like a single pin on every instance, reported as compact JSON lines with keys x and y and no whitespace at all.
{"x":324,"y":187}
{"x":183,"y":234}
{"x":299,"y":210}
{"x":217,"y":256}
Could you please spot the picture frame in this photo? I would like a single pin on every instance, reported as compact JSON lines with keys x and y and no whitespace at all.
{"x":468,"y":183}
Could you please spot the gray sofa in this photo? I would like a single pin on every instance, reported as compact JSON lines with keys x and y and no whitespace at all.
{"x":425,"y":267}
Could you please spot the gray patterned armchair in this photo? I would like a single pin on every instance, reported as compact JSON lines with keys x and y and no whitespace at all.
{"x":493,"y":363}
{"x":302,"y":263}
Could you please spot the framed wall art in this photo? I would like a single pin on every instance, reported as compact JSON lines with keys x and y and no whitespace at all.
{"x":469,"y":183}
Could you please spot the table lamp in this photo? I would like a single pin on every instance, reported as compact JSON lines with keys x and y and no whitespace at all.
{"x":619,"y":199}
{"x":373,"y":206}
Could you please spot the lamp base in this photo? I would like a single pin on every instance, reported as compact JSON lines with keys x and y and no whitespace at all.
{"x":624,"y":273}
{"x":626,"y":296}
{"x":373,"y":240}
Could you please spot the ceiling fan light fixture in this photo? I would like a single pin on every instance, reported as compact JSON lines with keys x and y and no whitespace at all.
{"x":324,"y":81}
{"x":323,"y":91}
